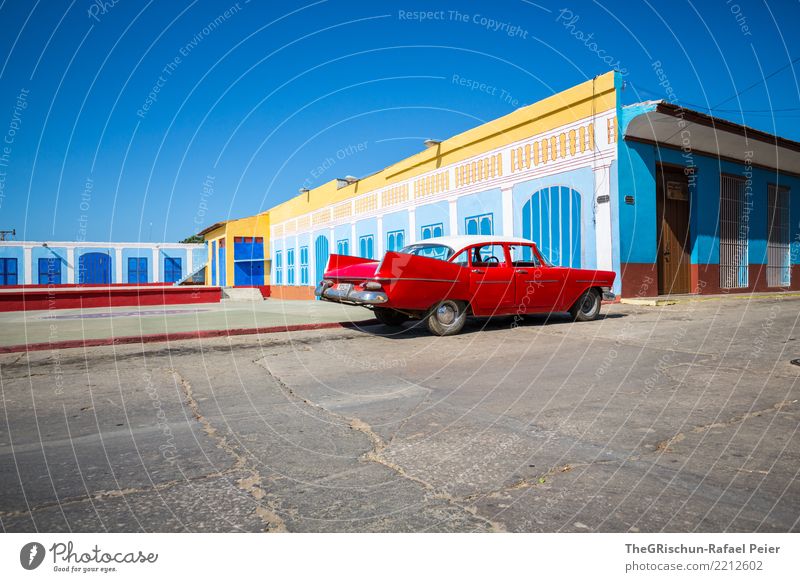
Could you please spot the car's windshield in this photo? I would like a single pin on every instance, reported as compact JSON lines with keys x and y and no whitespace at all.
{"x":433,"y":251}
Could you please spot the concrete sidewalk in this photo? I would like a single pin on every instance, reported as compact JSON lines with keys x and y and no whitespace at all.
{"x":64,"y":325}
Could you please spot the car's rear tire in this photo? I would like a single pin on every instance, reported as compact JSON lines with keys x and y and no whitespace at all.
{"x":390,"y":317}
{"x":447,"y":317}
{"x":587,"y":307}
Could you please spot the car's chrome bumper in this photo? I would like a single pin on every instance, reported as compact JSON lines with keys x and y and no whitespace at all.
{"x":352,"y":296}
{"x":608,"y":295}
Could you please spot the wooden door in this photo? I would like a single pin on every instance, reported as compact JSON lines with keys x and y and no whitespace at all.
{"x":672,"y":204}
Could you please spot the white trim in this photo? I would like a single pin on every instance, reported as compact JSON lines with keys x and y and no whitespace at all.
{"x":507,"y":201}
{"x":27,"y":265}
{"x":118,"y":265}
{"x":70,"y":265}
{"x":603,"y":239}
{"x":453,"y":216}
{"x":156,"y":257}
{"x":107,"y":245}
{"x":604,"y":152}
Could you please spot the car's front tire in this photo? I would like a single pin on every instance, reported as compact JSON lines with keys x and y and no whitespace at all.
{"x":587,"y":307}
{"x":390,"y":317}
{"x":447,"y":318}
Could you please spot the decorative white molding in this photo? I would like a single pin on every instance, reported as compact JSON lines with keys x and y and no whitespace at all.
{"x":603,"y":153}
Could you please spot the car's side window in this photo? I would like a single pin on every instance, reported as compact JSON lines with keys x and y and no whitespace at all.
{"x":523,"y":256}
{"x":461,"y":258}
{"x":488,"y":256}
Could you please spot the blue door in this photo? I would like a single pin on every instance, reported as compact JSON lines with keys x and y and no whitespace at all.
{"x":222,"y":269}
{"x":94,"y":269}
{"x":552,"y":219}
{"x":137,"y":270}
{"x":173,"y":269}
{"x":248,"y":273}
{"x":49,"y":271}
{"x":214,"y":262}
{"x":320,"y":257}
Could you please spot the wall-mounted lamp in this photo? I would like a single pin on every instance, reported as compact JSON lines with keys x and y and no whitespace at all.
{"x":429,"y":143}
{"x":346,"y":181}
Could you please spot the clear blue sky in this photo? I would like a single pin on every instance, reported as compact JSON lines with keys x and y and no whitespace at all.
{"x":275,"y":95}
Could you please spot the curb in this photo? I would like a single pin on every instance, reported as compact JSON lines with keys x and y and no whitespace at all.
{"x":179,"y":336}
{"x":655,"y":302}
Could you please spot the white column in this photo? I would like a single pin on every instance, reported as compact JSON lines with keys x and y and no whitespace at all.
{"x":508,"y":210}
{"x":156,"y":278}
{"x":312,"y":260}
{"x":27,"y":265}
{"x":453,"y":217}
{"x":70,"y":264}
{"x":603,"y":239}
{"x":297,"y":262}
{"x":353,"y":241}
{"x":379,"y":236}
{"x":189,"y":263}
{"x":412,"y":225}
{"x":118,"y":265}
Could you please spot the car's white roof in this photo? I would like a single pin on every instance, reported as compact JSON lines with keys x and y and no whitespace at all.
{"x":464,"y":240}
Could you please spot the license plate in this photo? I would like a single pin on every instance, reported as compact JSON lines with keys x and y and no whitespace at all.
{"x":344,"y":287}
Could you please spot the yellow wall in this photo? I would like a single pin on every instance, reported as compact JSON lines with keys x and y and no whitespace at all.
{"x":579,"y":102}
{"x":257,"y":225}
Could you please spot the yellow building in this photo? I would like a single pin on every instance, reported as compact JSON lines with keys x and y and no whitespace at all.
{"x":238,"y":252}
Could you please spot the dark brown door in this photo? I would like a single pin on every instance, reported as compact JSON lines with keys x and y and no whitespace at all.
{"x":672,"y":204}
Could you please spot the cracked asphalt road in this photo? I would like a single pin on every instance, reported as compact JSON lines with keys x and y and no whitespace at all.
{"x":682,"y":418}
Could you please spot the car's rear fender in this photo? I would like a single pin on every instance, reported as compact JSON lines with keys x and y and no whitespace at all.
{"x":416,"y":283}
{"x":581,"y":280}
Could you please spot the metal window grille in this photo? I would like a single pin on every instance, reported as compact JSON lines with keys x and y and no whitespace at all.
{"x":733,"y":233}
{"x":778,"y":264}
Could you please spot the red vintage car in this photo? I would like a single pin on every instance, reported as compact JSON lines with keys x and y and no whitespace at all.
{"x":443,"y":280}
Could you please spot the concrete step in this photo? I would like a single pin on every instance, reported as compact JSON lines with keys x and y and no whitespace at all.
{"x":241,"y":294}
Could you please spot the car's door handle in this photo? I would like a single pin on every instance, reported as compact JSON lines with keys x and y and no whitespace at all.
{"x":522,"y":271}
{"x":478,"y":271}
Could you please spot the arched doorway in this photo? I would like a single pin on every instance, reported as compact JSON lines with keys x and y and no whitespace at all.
{"x":321,"y":254}
{"x":552,"y":219}
{"x":94,"y":269}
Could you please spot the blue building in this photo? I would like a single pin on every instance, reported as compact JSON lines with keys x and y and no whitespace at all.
{"x":90,"y":263}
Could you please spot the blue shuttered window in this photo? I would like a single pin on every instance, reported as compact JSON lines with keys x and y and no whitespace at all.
{"x":49,"y":271}
{"x":432,"y":230}
{"x":366,"y":246}
{"x":304,"y":265}
{"x":290,"y":266}
{"x":137,"y":270}
{"x":395,"y":240}
{"x":279,"y":267}
{"x":8,"y":271}
{"x":173,"y":269}
{"x":343,"y":247}
{"x":480,"y":224}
